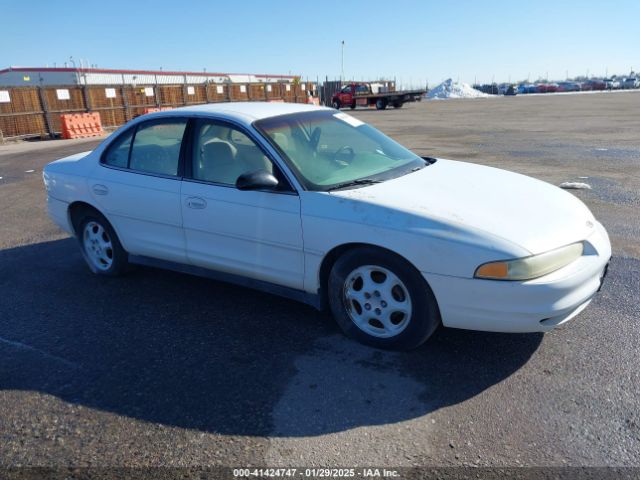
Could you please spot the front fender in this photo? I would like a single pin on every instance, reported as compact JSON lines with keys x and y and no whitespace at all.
{"x":430,"y":245}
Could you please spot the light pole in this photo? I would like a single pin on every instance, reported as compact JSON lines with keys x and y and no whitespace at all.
{"x":342,"y":64}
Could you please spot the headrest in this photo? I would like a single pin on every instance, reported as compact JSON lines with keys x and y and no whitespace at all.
{"x":218,"y":152}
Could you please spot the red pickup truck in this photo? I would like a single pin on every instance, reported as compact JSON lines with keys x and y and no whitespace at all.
{"x":360,"y":94}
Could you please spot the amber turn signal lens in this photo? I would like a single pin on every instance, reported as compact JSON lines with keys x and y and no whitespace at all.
{"x":493,"y":270}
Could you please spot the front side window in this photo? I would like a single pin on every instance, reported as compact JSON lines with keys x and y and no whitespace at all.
{"x":328,"y":149}
{"x":156,"y":147}
{"x":221,"y":153}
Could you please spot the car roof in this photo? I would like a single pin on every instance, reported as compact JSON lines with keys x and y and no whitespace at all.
{"x":247,"y":111}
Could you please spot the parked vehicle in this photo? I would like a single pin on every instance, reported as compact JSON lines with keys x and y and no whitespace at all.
{"x":541,"y":88}
{"x":593,"y":85}
{"x":313,"y":204}
{"x":511,"y":90}
{"x":568,"y":87}
{"x":360,"y":94}
{"x":552,"y":87}
{"x":488,"y":88}
{"x":631,"y":82}
{"x":527,"y":88}
{"x":612,"y":83}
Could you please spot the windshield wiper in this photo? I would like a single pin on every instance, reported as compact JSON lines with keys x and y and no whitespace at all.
{"x":353,"y":183}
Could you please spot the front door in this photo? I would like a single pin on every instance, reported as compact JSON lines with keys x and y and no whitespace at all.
{"x":256,"y":234}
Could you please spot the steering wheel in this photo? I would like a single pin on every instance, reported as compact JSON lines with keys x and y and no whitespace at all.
{"x":345,"y":151}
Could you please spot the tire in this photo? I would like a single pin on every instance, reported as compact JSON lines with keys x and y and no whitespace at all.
{"x":336,"y":104}
{"x":381,"y":104}
{"x":407,"y":305}
{"x":353,"y":105}
{"x":100,"y":246}
{"x":397,"y":104}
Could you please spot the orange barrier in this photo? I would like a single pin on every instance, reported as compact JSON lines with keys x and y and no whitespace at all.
{"x":81,"y":125}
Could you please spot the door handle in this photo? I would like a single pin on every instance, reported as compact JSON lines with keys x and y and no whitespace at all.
{"x":100,"y":189}
{"x":196,"y":202}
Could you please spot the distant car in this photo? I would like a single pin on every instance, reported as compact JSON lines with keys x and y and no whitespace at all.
{"x":311,"y":203}
{"x":502,"y":88}
{"x":632,"y":82}
{"x":511,"y":90}
{"x":568,"y":87}
{"x":594,"y":85}
{"x":552,"y":87}
{"x":612,"y":83}
{"x":541,"y":88}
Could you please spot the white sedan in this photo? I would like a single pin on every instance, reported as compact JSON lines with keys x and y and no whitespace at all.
{"x":313,"y":204}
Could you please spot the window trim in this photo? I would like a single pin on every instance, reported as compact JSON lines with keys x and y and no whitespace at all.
{"x":164,"y":119}
{"x":188,"y":157}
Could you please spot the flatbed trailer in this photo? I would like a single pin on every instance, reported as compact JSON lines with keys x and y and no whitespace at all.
{"x":360,"y":95}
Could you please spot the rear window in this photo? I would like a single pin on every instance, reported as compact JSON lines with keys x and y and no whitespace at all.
{"x":118,"y":152}
{"x":156,"y":147}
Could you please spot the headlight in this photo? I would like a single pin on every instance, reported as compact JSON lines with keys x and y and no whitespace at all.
{"x":530,"y":267}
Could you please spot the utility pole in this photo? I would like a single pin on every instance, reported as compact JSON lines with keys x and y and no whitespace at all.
{"x":342,"y":64}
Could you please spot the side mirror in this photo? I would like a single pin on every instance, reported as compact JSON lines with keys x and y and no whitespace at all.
{"x":256,"y":180}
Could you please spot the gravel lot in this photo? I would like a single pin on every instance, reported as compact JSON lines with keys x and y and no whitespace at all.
{"x":159,"y":368}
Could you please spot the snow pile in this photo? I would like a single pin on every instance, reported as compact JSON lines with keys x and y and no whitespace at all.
{"x":451,"y":89}
{"x":575,"y":185}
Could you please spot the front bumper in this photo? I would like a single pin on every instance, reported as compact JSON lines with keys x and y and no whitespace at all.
{"x":536,"y":305}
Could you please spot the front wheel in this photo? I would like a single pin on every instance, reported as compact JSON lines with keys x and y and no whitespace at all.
{"x":100,"y":246}
{"x":381,"y":300}
{"x":336,"y":104}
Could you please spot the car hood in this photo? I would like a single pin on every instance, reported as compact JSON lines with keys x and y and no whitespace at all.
{"x":533,"y":214}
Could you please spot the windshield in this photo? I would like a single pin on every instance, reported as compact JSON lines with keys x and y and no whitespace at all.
{"x":328,"y":149}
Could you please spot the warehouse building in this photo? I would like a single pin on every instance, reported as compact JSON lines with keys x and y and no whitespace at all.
{"x":43,"y":76}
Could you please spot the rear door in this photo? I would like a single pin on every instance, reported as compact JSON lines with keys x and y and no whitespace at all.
{"x":256,"y":234}
{"x":137,"y":186}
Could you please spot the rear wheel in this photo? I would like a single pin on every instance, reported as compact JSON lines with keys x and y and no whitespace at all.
{"x":379,"y":299}
{"x":100,"y":246}
{"x":381,"y":104}
{"x":353,"y":105}
{"x":397,"y":104}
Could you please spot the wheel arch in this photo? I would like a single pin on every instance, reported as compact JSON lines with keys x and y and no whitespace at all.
{"x":77,"y":209}
{"x":335,"y":253}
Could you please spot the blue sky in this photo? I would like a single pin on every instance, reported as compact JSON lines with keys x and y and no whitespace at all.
{"x":411,"y":40}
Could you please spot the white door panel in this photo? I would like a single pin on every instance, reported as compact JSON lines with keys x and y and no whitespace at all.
{"x":144,"y":209}
{"x":249,"y":233}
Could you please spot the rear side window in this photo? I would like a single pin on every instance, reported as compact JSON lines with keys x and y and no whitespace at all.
{"x":118,"y":153}
{"x":156,"y":147}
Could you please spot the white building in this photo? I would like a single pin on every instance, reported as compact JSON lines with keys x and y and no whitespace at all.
{"x":35,"y":76}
